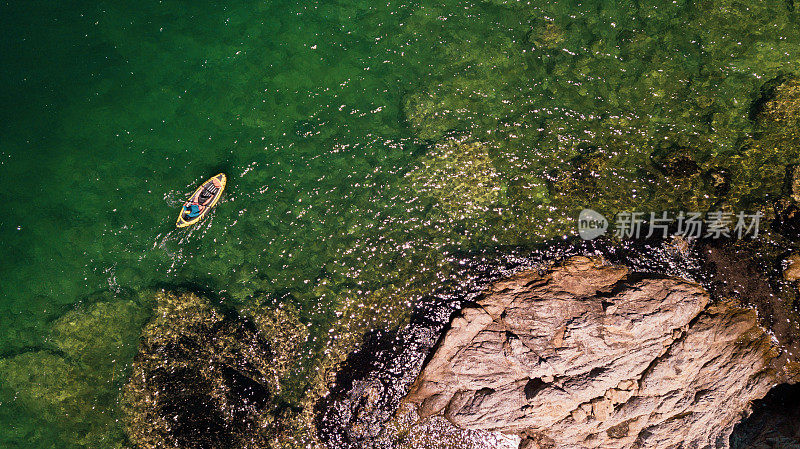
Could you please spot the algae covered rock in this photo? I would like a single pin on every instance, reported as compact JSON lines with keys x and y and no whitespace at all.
{"x":280,"y":327}
{"x":102,"y":336}
{"x":49,"y":383}
{"x":476,"y":82}
{"x":429,"y":114}
{"x":545,"y":33}
{"x":762,"y":168}
{"x":483,"y":193}
{"x":204,"y":378}
{"x":458,"y":172}
{"x":68,"y":390}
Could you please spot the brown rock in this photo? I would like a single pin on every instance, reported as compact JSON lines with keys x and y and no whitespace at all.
{"x":579,"y":358}
{"x":792,"y":271}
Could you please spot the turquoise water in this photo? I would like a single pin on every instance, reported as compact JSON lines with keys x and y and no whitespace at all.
{"x":365,"y":143}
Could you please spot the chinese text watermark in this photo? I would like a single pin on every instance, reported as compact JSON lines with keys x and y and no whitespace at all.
{"x":690,"y":225}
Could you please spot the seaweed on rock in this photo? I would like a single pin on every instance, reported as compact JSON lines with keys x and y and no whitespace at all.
{"x":206,"y":379}
{"x":73,"y":382}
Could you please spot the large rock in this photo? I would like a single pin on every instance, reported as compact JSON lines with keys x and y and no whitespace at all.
{"x":585,"y":356}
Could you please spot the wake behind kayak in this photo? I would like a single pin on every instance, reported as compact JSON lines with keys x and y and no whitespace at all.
{"x":201,"y":201}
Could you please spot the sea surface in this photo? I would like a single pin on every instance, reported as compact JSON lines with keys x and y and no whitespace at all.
{"x":369,"y":147}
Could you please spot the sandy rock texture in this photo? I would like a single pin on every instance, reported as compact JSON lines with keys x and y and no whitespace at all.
{"x":588,"y":355}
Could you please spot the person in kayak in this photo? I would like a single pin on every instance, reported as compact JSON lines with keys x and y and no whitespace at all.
{"x":193,"y":210}
{"x":201,"y":201}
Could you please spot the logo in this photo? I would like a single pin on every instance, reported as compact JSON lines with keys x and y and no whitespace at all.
{"x":689,"y":225}
{"x":591,"y":224}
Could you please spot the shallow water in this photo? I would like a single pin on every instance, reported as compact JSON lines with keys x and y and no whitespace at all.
{"x":348,"y":131}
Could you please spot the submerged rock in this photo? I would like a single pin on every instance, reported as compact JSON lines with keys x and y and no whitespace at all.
{"x":673,"y":161}
{"x":68,"y":390}
{"x":459,"y":173}
{"x":545,"y":34}
{"x":764,"y":169}
{"x":203,"y":379}
{"x":586,"y":355}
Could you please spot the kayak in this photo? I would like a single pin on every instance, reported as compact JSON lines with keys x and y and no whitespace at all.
{"x":201,"y":201}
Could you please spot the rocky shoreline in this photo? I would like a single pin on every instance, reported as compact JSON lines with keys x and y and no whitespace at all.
{"x":640,"y":343}
{"x":729,"y":293}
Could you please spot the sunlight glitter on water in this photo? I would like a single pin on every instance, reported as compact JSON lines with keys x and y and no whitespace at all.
{"x":366,"y":143}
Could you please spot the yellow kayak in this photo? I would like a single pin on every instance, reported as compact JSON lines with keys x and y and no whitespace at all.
{"x":201,"y":201}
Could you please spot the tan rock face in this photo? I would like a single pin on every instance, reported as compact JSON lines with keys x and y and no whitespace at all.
{"x":579,"y":357}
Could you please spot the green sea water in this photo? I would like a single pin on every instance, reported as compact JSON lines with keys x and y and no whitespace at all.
{"x":366,"y":143}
